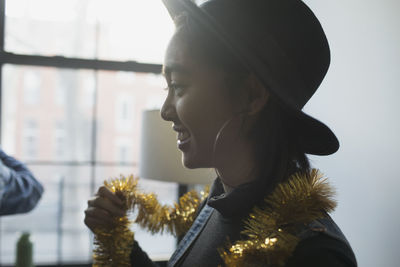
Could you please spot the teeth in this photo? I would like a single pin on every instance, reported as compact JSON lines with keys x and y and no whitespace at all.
{"x":183,"y":135}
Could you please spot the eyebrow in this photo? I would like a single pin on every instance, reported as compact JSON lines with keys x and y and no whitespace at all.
{"x":167,"y":69}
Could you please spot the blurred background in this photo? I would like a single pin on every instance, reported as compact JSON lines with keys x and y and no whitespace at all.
{"x":359,"y":100}
{"x":77,"y":74}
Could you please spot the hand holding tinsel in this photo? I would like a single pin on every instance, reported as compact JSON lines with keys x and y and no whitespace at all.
{"x":113,"y":248}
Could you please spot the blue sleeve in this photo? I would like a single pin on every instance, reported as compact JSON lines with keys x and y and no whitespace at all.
{"x":19,"y":190}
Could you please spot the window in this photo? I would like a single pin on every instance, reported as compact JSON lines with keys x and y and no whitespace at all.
{"x":113,"y":30}
{"x":76,"y":122}
{"x":124,"y":108}
{"x":31,"y":88}
{"x":88,"y":92}
{"x":60,"y":138}
{"x":30,"y":136}
{"x":40,"y":123}
{"x":124,"y":149}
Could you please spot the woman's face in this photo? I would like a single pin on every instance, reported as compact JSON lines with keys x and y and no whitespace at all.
{"x":198,"y":104}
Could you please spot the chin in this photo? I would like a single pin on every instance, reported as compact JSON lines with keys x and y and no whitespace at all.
{"x":190,"y":164}
{"x":193,"y":163}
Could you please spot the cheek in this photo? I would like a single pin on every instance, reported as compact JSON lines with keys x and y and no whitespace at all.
{"x":203,"y":115}
{"x":192,"y":112}
{"x":205,"y":107}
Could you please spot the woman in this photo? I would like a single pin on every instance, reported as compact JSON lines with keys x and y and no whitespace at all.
{"x":239,"y":73}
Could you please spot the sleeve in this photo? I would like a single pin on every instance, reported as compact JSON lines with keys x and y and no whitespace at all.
{"x":139,"y":258}
{"x":322,"y":250}
{"x":19,"y":190}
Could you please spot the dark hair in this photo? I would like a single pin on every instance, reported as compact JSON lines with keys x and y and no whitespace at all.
{"x":274,"y":136}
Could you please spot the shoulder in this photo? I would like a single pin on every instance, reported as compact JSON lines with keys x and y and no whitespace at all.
{"x":322,"y":243}
{"x":322,"y":250}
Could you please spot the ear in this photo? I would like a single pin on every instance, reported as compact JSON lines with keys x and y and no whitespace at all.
{"x":258,"y":95}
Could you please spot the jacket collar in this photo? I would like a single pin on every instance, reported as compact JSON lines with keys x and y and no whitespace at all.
{"x":239,"y":201}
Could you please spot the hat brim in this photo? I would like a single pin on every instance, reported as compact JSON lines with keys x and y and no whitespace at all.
{"x":315,"y":137}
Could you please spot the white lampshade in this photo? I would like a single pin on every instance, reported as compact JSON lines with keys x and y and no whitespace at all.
{"x":160,"y":158}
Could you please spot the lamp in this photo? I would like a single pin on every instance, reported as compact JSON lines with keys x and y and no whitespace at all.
{"x":160,"y":158}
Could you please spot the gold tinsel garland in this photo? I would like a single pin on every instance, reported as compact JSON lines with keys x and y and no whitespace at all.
{"x":176,"y":219}
{"x":113,"y":247}
{"x":272,"y":230}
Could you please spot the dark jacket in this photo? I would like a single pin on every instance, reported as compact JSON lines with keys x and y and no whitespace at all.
{"x":221,"y":219}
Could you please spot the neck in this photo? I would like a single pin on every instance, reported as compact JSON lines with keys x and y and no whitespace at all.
{"x":240,"y":168}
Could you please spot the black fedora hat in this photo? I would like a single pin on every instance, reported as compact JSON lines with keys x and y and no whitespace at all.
{"x":282,"y":43}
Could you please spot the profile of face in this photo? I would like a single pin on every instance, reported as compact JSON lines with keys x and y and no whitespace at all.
{"x":198,"y":104}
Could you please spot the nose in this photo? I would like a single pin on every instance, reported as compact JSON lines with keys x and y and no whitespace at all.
{"x":168,"y":110}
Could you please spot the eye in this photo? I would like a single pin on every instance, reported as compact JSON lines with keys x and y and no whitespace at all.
{"x":179,"y":89}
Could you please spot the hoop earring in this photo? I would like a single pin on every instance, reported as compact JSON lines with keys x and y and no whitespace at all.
{"x":217,"y":137}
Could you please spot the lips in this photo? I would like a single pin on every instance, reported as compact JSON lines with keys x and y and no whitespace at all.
{"x":183,"y":136}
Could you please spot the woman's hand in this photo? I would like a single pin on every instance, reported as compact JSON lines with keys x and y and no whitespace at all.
{"x":102,"y":209}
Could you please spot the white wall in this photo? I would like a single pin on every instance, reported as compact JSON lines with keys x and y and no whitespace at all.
{"x":360,"y":101}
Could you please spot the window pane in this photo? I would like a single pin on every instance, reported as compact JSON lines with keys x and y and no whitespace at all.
{"x":118,"y":30}
{"x":47,"y":113}
{"x":49,"y":27}
{"x":122,"y":97}
{"x":56,"y":224}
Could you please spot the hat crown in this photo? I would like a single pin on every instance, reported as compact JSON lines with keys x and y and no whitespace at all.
{"x":283,"y":40}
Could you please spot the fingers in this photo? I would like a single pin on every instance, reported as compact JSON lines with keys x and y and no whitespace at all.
{"x":107,"y":200}
{"x":97,"y":218}
{"x":106,"y":193}
{"x":106,"y":205}
{"x":94,"y":224}
{"x":102,"y":209}
{"x":98,"y":214}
